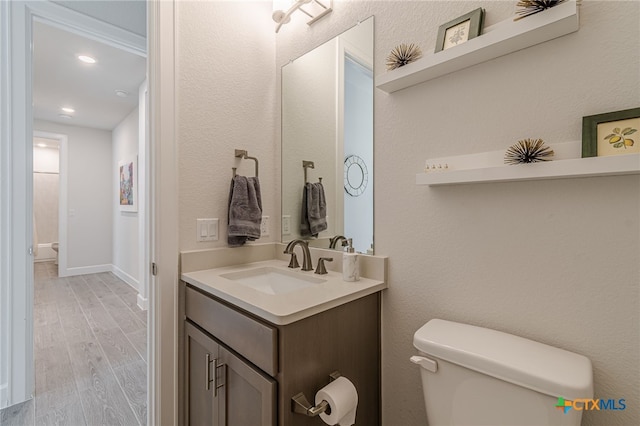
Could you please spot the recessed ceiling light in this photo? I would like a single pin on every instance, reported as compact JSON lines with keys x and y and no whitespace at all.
{"x":122,"y":93}
{"x":87,"y":59}
{"x":67,"y":109}
{"x":42,"y":145}
{"x":67,"y":116}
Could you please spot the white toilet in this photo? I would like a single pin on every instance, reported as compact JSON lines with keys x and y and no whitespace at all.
{"x":477,"y":376}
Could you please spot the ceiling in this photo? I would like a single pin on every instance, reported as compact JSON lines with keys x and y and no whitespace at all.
{"x":61,"y":80}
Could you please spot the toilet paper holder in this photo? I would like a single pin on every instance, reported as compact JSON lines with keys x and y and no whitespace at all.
{"x":301,"y":405}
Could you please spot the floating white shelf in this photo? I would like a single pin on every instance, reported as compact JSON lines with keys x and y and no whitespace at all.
{"x":497,"y":40}
{"x":626,"y":164}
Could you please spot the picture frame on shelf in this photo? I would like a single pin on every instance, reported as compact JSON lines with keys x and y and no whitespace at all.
{"x":460,"y":30}
{"x":611,"y":133}
{"x":128,"y":184}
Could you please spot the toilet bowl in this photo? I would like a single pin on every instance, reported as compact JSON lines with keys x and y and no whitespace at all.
{"x":54,"y":247}
{"x":477,"y":376}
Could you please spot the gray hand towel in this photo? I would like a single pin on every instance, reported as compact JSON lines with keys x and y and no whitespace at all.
{"x":313,"y":218}
{"x":245,"y":210}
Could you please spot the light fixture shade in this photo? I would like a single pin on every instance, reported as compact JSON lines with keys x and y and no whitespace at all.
{"x":280,"y":8}
{"x":314,"y":9}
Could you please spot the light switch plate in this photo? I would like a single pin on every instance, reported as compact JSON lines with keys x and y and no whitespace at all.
{"x":264,"y":226}
{"x":207,"y":229}
{"x":286,"y":224}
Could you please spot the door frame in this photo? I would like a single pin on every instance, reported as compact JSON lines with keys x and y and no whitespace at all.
{"x":16,"y":381}
{"x":62,"y":196}
{"x":16,"y":165}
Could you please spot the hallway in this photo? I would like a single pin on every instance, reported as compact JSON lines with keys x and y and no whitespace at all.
{"x":90,"y":350}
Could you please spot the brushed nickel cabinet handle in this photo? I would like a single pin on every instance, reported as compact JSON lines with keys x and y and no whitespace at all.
{"x":217,"y":386}
{"x":208,"y":379}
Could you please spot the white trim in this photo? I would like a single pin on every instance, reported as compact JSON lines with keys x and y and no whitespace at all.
{"x":63,"y":190}
{"x":143,"y":303}
{"x":4,"y":392}
{"x":86,"y":26}
{"x":17,"y":200}
{"x":125,"y":277}
{"x":163,"y":288}
{"x":16,"y":163}
{"x":144,"y":221}
{"x":84,"y":270}
{"x":45,"y":253}
{"x":5,"y":192}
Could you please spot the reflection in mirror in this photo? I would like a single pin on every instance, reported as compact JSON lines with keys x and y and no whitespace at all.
{"x":327,"y":137}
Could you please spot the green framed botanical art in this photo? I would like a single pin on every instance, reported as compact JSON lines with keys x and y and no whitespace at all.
{"x":611,"y":133}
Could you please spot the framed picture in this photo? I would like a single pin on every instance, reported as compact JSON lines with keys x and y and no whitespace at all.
{"x":128,"y":185}
{"x":611,"y":133}
{"x":460,"y":30}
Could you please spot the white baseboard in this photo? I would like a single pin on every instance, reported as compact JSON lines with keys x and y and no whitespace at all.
{"x":142,"y":302}
{"x":83,"y":270}
{"x":4,"y":397}
{"x":125,"y":277}
{"x":45,"y":253}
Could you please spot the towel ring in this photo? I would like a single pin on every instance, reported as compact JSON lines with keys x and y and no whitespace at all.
{"x":242,"y":153}
{"x":306,"y":165}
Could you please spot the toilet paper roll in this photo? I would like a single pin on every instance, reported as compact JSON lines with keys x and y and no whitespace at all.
{"x":342,"y":397}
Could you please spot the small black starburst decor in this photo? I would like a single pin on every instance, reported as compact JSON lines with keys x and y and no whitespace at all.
{"x":531,"y":7}
{"x":403,"y":55}
{"x":528,"y":151}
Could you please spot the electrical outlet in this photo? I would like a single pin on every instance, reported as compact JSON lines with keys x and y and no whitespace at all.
{"x":264,"y":226}
{"x":286,"y":224}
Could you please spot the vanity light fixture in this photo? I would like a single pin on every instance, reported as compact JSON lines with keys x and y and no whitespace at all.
{"x":314,"y":9}
{"x":87,"y":59}
{"x":67,"y":109}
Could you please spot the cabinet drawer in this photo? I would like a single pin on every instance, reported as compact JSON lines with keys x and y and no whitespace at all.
{"x":252,"y":339}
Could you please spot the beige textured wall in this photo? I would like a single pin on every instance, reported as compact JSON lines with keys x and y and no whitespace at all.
{"x":226,"y":95}
{"x":556,"y":261}
{"x":90,"y":195}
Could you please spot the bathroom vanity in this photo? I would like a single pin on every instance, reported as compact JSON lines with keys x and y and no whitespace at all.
{"x":246,"y":352}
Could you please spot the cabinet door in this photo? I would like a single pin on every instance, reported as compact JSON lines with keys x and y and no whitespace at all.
{"x":248,"y":397}
{"x":201,"y":357}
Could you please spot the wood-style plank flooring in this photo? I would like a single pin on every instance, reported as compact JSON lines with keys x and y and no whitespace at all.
{"x":90,"y":350}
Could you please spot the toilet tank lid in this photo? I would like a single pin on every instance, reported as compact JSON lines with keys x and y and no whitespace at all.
{"x":514,"y":359}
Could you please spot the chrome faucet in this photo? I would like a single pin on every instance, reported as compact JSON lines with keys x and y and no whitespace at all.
{"x":306,"y":255}
{"x":333,"y":241}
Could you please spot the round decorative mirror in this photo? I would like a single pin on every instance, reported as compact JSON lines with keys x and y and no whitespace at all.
{"x":356,"y":176}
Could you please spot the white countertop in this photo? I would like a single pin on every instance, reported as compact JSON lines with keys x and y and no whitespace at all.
{"x":281,"y":309}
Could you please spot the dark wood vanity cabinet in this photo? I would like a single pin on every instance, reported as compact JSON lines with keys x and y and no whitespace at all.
{"x":223,"y":389}
{"x":260,"y":366}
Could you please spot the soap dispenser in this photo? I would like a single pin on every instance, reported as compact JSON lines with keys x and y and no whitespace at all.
{"x":350,"y":263}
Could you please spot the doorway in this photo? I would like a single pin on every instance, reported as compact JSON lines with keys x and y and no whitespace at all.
{"x":16,"y":345}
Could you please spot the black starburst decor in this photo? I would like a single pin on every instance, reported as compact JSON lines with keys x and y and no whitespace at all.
{"x":528,"y":151}
{"x":403,"y":55}
{"x":531,"y":7}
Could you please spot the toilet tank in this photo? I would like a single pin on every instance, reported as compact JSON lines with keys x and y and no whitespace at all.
{"x":478,"y":376}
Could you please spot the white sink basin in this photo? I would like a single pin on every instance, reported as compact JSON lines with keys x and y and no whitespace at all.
{"x":272,"y":280}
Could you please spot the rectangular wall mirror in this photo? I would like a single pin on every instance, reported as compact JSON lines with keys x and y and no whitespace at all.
{"x":327,"y":136}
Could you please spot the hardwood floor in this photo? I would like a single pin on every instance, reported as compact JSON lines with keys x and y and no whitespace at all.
{"x":90,"y":350}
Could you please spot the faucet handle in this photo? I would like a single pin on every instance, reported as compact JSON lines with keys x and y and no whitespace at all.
{"x":321,"y":269}
{"x":294,"y":261}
